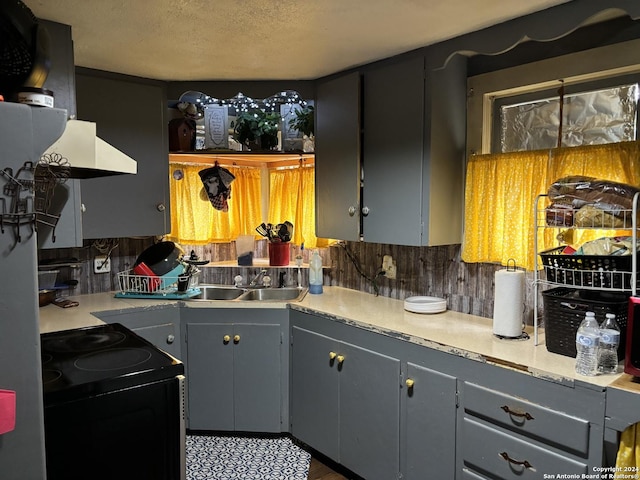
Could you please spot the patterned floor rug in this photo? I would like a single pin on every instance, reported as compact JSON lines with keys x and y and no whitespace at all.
{"x":245,"y":458}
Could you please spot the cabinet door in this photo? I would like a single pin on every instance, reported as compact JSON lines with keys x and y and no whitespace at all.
{"x":210,"y":376}
{"x":337,"y":158}
{"x":314,"y":392}
{"x":393,"y":171}
{"x":66,"y":201}
{"x":369,"y":412}
{"x":160,"y":326}
{"x":165,"y":337}
{"x":130,"y":115}
{"x":429,"y":424}
{"x":257,"y":376}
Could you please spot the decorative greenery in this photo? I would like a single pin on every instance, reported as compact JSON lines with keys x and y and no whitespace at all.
{"x":303,"y":120}
{"x":257,"y":125}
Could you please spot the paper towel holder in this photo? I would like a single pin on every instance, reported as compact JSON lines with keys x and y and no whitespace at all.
{"x":499,"y":331}
{"x":510,"y":267}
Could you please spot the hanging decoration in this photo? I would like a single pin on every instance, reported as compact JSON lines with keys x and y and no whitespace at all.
{"x":217,"y":184}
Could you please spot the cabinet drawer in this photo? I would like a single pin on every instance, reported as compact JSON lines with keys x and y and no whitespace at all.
{"x":530,"y":419}
{"x":500,"y":454}
{"x":469,"y":475}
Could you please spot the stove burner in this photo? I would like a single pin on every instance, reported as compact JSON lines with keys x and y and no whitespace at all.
{"x":49,"y":376}
{"x":113,"y":359}
{"x":83,"y":342}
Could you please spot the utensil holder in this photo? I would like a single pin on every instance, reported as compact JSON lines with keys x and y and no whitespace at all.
{"x":279,"y":254}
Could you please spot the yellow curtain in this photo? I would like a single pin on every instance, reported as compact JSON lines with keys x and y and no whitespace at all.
{"x":194,"y":221}
{"x":501,"y":189}
{"x":628,"y":459}
{"x":292,"y":198}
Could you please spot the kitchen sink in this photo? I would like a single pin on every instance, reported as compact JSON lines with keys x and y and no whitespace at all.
{"x":225,"y":292}
{"x":263,"y":294}
{"x":218,"y":292}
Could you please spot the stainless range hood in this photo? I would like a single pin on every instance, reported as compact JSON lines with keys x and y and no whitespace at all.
{"x":88,"y":155}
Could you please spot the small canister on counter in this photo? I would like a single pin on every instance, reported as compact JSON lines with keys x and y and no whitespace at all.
{"x":37,"y":97}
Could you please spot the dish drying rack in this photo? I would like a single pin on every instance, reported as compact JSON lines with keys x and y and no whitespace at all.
{"x":132,"y":285}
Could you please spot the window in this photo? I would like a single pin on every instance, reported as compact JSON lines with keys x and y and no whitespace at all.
{"x":606,"y":115}
{"x":259,"y":193}
{"x":501,"y":187}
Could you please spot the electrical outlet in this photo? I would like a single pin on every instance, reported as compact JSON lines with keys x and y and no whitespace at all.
{"x":389,"y":267}
{"x":101,"y":264}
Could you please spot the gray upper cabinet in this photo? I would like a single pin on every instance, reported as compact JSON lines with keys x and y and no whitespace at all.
{"x":392,"y":160}
{"x":337,"y":158}
{"x":130,"y":114}
{"x":66,"y":198}
{"x":398,"y":176}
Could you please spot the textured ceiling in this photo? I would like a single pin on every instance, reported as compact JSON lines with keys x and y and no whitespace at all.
{"x":263,"y":39}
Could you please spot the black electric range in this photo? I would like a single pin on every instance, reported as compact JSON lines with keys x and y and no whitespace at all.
{"x":94,"y":360}
{"x":108,"y":393}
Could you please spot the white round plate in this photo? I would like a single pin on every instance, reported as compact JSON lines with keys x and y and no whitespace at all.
{"x":419,"y":304}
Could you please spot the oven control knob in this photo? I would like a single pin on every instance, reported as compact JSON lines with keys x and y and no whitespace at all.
{"x":170,"y":338}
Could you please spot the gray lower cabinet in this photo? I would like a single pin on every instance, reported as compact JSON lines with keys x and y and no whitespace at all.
{"x":345,"y":403}
{"x":237,"y":369}
{"x":160,"y":326}
{"x":622,"y":412}
{"x":523,"y":427}
{"x":428,"y":442}
{"x":234,"y":377}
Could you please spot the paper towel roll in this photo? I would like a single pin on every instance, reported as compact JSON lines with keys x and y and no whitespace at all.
{"x":508,"y":304}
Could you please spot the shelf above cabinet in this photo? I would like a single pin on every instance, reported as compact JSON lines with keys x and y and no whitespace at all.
{"x":274,"y":159}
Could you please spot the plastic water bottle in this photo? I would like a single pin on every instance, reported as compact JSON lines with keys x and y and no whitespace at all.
{"x":315,"y":273}
{"x":609,"y":341}
{"x":587,"y":344}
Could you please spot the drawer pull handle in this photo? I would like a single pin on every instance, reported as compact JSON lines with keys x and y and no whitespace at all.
{"x":523,"y":463}
{"x":226,"y":339}
{"x":517,"y":413}
{"x":332,"y":355}
{"x":340,"y":359}
{"x":236,"y":338}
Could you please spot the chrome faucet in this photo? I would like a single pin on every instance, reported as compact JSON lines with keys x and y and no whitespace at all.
{"x":257,"y":278}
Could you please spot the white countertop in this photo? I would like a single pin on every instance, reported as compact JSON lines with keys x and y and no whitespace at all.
{"x":457,"y":333}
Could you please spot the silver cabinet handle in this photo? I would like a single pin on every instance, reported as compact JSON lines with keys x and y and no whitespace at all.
{"x":352,"y":211}
{"x":170,"y":338}
{"x":365,"y":211}
{"x":161,"y":207}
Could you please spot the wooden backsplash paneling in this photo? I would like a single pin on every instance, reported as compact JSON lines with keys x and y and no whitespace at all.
{"x":434,"y":271}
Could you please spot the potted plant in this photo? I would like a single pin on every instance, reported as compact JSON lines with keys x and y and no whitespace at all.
{"x":303,"y":120}
{"x":257,"y":128}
